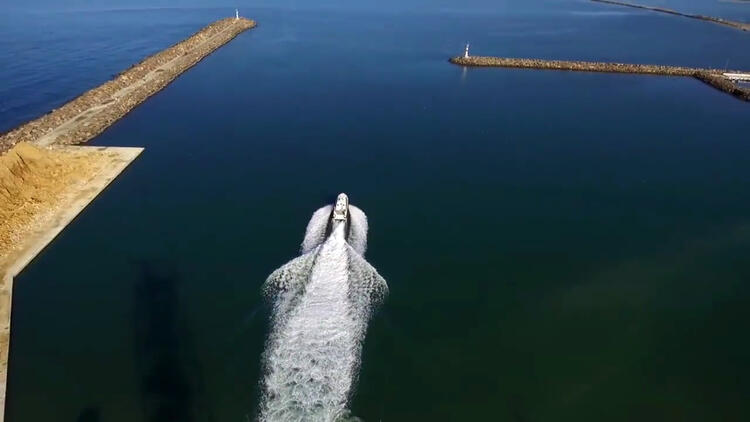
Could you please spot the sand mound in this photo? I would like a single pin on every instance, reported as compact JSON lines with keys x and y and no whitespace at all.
{"x":31,"y":179}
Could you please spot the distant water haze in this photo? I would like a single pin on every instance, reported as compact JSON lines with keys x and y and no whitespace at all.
{"x":282,"y":4}
{"x":736,"y":9}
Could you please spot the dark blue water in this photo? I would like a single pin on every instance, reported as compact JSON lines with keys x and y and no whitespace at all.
{"x":559,"y":246}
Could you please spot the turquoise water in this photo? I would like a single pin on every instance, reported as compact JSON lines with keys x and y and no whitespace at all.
{"x":558,"y":246}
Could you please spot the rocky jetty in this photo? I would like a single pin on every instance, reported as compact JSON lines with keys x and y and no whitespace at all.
{"x":577,"y":66}
{"x":712,"y":77}
{"x":721,"y":83}
{"x":721,"y":21}
{"x":91,"y":113}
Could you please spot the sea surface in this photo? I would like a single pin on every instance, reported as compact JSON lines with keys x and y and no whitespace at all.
{"x":559,"y":246}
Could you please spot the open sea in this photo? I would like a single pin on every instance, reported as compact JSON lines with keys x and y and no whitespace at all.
{"x":558,"y":246}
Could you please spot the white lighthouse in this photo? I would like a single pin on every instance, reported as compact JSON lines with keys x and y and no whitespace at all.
{"x":236,"y":14}
{"x":466,"y":51}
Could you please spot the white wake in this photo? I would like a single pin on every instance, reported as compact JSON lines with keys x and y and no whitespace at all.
{"x":322,"y":304}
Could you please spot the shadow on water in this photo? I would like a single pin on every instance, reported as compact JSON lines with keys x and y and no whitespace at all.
{"x":90,"y":414}
{"x":171,"y":381}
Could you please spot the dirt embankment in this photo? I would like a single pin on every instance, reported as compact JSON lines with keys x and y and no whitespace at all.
{"x":721,"y":21}
{"x":91,"y":113}
{"x":30,"y":180}
{"x":712,"y":77}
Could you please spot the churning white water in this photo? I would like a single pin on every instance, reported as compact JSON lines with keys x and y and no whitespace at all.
{"x":322,"y":304}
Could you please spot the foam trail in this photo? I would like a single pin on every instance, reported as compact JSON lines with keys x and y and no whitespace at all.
{"x":316,"y":229}
{"x":322,"y":304}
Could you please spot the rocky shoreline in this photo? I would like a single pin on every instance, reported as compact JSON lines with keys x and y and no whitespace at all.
{"x":712,"y":77}
{"x":94,"y":111}
{"x":721,"y":21}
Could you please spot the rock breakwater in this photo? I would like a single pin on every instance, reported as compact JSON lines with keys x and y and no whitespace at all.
{"x":712,"y":77}
{"x":721,"y":83}
{"x":721,"y":21}
{"x":578,"y":66}
{"x":91,"y":113}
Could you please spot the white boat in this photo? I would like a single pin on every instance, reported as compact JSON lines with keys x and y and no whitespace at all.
{"x":341,"y":210}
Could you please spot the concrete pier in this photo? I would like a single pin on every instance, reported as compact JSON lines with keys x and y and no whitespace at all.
{"x":745,"y":77}
{"x":65,"y":180}
{"x":713,"y":77}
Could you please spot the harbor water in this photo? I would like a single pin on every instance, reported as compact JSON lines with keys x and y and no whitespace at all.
{"x":558,"y":246}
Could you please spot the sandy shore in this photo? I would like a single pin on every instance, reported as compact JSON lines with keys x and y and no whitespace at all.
{"x":91,"y":113}
{"x":48,"y":188}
